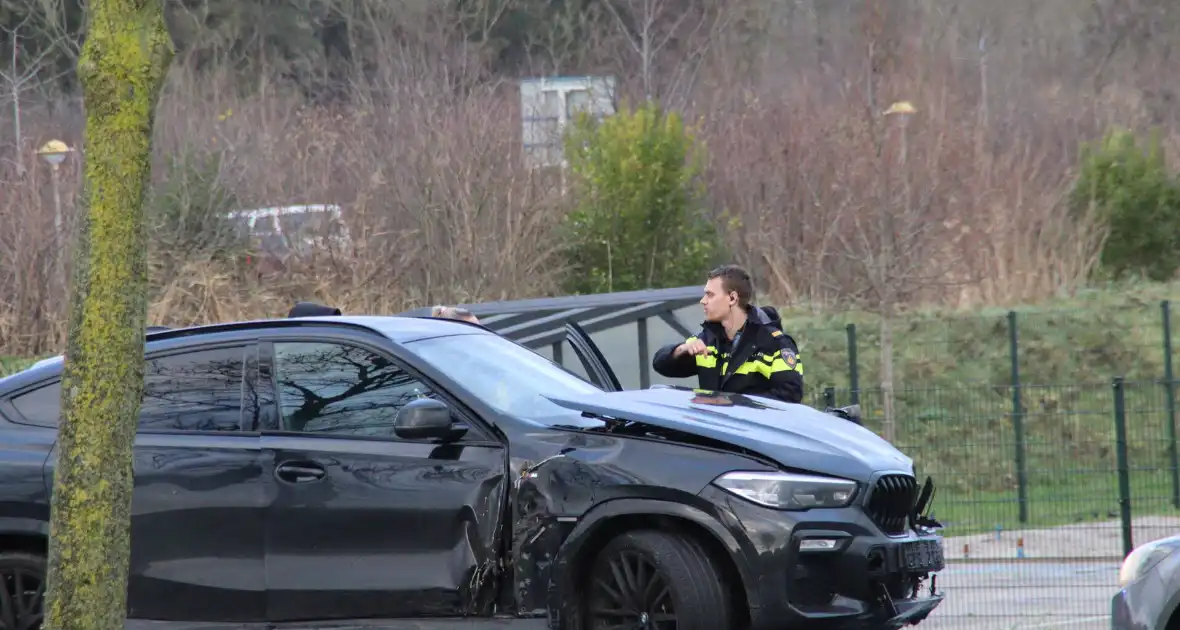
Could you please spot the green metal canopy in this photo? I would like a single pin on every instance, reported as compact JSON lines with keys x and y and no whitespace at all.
{"x":541,"y":322}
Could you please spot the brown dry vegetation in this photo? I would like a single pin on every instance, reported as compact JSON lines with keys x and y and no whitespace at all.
{"x":803,"y":172}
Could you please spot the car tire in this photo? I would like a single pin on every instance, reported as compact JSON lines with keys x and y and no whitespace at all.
{"x":654,"y":576}
{"x":23,"y":576}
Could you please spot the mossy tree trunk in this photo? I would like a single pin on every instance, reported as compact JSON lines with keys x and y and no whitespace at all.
{"x":122,"y":68}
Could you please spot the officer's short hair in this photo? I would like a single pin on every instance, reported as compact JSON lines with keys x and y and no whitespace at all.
{"x":736,"y":279}
{"x":450,"y":312}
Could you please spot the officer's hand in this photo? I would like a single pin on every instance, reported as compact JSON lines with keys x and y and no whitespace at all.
{"x":693,"y":348}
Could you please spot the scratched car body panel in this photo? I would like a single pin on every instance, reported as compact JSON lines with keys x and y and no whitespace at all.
{"x":344,"y":468}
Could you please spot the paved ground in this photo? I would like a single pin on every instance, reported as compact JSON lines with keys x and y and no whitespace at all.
{"x":1103,"y":540}
{"x":1007,"y":595}
{"x":1066,"y":578}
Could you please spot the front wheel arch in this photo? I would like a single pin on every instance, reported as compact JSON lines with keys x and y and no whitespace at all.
{"x":615,"y":517}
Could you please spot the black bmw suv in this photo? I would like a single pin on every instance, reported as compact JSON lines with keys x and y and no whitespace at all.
{"x":325,"y":469}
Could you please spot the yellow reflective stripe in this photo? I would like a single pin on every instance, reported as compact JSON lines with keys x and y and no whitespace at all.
{"x":752,"y":367}
{"x":766,"y":365}
{"x":708,"y":360}
{"x":705,"y":360}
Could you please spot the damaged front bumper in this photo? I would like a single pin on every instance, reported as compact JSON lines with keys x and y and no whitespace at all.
{"x":831,"y":569}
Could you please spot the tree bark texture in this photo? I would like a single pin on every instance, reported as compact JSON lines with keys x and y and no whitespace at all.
{"x":122,"y":68}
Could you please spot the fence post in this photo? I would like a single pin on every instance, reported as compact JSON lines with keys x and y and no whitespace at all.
{"x":830,"y":397}
{"x":1124,"y":472}
{"x":644,"y":357}
{"x":853,"y":371}
{"x":1170,"y":400}
{"x":1018,"y":419}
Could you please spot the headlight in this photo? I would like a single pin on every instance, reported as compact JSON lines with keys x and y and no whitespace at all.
{"x":1144,"y":557}
{"x":786,"y":491}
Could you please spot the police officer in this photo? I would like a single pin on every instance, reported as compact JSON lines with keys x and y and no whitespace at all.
{"x":741,"y":348}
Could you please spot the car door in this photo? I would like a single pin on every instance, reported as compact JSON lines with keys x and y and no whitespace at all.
{"x":594,"y":362}
{"x":198,"y":504}
{"x":364,"y":523}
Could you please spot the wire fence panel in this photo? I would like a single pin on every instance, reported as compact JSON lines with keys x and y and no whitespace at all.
{"x":1052,"y":441}
{"x":1097,"y":475}
{"x":1097,"y":478}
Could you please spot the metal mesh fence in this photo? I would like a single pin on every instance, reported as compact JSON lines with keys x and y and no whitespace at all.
{"x":1051,"y":438}
{"x":1039,"y":548}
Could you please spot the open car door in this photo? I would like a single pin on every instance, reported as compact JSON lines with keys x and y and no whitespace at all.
{"x":592,"y":358}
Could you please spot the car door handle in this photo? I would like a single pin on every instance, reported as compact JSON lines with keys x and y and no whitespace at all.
{"x":300,"y":473}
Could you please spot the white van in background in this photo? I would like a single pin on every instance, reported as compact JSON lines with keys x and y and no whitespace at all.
{"x":293,"y":230}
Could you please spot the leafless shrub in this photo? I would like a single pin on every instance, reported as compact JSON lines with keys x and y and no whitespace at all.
{"x":424,"y":156}
{"x":439,"y":207}
{"x":976,"y":209}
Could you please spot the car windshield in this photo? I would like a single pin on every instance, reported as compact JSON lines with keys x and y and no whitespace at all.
{"x":510,"y":378}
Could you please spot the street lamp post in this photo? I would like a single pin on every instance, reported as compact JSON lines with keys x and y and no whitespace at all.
{"x":54,"y":153}
{"x":904,"y":109}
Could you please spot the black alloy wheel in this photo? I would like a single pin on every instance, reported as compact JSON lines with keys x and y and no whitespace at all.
{"x":652,"y":580}
{"x":629,"y":592}
{"x":22,"y":600}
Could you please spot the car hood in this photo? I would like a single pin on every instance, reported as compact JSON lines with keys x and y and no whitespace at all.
{"x":795,"y":436}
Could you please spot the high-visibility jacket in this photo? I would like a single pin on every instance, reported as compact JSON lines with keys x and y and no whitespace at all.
{"x":764,"y":362}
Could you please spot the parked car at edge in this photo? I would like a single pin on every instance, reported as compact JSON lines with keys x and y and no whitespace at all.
{"x":342,"y":468}
{"x":1149,"y":588}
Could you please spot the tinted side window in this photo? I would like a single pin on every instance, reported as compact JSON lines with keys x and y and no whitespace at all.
{"x":331,"y":388}
{"x":42,"y":406}
{"x":195,"y":391}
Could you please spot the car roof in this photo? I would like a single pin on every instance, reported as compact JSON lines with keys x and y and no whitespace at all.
{"x":398,"y":328}
{"x":401,"y":328}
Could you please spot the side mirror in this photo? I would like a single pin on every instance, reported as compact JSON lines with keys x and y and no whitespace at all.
{"x":425,"y":419}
